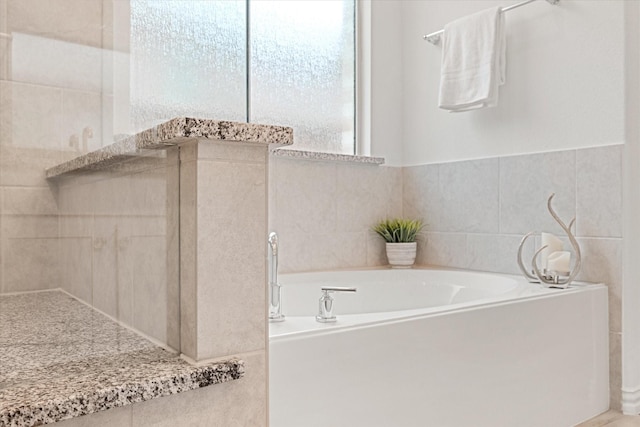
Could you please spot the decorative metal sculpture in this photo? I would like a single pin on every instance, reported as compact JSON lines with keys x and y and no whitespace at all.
{"x":548,"y":277}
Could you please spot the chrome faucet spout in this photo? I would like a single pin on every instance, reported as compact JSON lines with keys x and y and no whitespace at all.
{"x":275,"y":304}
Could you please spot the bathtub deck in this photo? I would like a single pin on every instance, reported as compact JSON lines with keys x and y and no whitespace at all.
{"x":61,"y":359}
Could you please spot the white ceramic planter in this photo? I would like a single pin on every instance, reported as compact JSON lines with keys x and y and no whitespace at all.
{"x":401,"y":255}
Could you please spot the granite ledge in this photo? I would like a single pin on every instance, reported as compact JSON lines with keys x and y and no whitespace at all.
{"x":170,"y":133}
{"x":62,"y":359}
{"x":314,"y":155}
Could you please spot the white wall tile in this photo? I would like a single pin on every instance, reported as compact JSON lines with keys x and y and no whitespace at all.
{"x":602,"y":262}
{"x":421,"y":195}
{"x":76,"y":21}
{"x":104,"y":279}
{"x":120,"y":417}
{"x":149,"y":279}
{"x":30,"y":116}
{"x":82,"y":117}
{"x":231,"y":254}
{"x":469,"y":196}
{"x":366,"y":194}
{"x":444,"y":249}
{"x":76,"y":257}
{"x":305,"y":196}
{"x":495,"y":253}
{"x":527,"y":181}
{"x":29,"y":201}
{"x":30,"y":264}
{"x":24,"y":166}
{"x":599,"y":191}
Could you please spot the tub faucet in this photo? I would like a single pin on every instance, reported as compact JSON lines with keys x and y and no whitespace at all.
{"x":275,"y":303}
{"x":325,"y":312}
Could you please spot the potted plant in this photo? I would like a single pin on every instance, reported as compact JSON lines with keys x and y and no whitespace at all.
{"x":400,"y":237}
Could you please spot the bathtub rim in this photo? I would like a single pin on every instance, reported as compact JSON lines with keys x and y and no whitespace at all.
{"x":297,"y":327}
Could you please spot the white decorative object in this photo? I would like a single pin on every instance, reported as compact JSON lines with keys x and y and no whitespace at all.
{"x":401,"y":255}
{"x":559,"y":262}
{"x":560,"y":274}
{"x":552,"y":243}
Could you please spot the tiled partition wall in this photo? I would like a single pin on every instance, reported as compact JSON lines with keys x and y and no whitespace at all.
{"x":118,"y":242}
{"x":478,"y":211}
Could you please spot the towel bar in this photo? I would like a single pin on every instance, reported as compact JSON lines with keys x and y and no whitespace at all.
{"x":434,"y":37}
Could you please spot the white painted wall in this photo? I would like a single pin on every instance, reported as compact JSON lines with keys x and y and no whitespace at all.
{"x":630,"y":340}
{"x":564,"y":89}
{"x":386,"y":74}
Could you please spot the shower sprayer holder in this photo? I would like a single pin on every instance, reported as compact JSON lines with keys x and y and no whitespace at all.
{"x":547,"y":277}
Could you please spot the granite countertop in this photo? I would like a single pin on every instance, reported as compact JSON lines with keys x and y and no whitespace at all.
{"x":62,"y":359}
{"x":315,"y":155}
{"x":170,"y":133}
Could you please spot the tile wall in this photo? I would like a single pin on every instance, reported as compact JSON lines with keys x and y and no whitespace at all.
{"x":118,"y":242}
{"x":47,"y":106}
{"x":323,"y":212}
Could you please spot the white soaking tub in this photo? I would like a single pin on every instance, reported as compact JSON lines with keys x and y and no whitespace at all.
{"x":437,"y":348}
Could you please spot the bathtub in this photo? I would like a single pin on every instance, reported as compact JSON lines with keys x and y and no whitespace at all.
{"x":436,"y":348}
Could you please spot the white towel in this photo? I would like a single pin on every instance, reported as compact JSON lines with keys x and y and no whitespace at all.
{"x":473,"y":61}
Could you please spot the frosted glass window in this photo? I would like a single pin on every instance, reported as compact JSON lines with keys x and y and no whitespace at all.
{"x":188,"y":58}
{"x":302,"y":62}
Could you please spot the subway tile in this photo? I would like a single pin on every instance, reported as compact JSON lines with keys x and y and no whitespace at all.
{"x":526,"y":183}
{"x":599,"y":191}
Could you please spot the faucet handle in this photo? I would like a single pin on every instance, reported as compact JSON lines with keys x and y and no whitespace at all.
{"x":325,"y":311}
{"x":327,"y":289}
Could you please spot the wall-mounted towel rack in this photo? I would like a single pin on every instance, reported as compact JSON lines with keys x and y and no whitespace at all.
{"x":434,"y":37}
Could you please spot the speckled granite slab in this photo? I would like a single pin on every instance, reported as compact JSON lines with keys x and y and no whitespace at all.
{"x":313,"y":155}
{"x":61,"y":359}
{"x":171,"y":133}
